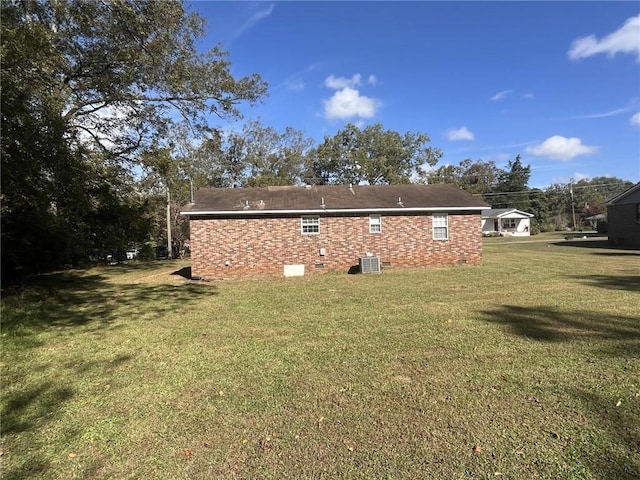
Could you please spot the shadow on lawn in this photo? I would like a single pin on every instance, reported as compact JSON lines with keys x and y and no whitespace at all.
{"x":28,"y":410}
{"x":551,"y":325}
{"x":70,"y":303}
{"x":72,"y":299}
{"x":184,"y":272}
{"x":598,"y":244}
{"x":612,"y":282}
{"x":621,"y":425}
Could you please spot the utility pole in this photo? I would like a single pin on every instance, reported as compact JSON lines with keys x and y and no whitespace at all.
{"x":573,"y":210}
{"x":169,"y":246}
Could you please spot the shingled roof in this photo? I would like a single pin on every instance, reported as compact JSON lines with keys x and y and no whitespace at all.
{"x":331,"y":199}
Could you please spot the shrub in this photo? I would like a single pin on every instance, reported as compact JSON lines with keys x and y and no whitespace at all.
{"x":147,"y":253}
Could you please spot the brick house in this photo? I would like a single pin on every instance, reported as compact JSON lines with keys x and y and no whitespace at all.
{"x":300,"y":230}
{"x":623,"y":218}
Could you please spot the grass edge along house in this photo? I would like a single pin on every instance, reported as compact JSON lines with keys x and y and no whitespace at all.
{"x":298,"y":230}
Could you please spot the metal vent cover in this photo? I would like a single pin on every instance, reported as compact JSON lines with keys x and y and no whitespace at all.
{"x":369,"y":264}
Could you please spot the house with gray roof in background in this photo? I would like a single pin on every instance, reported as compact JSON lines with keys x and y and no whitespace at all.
{"x":298,"y":230}
{"x":505,"y":222}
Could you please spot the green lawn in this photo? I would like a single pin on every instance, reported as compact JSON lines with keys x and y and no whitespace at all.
{"x":525,"y":367}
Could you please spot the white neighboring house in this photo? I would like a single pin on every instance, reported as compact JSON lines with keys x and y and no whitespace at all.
{"x":506,"y":222}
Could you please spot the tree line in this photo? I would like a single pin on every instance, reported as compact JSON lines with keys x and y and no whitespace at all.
{"x":559,"y":206}
{"x":106,"y":110}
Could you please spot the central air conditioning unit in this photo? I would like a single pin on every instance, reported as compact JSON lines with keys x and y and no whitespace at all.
{"x":369,"y":264}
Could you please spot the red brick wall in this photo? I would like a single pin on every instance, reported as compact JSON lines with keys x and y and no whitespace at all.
{"x":264,"y":245}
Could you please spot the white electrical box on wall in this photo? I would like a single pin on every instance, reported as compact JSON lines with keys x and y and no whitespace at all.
{"x":294,"y":270}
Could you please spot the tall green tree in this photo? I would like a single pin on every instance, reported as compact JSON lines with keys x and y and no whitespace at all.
{"x":228,"y":159}
{"x":512,"y":186}
{"x":557,"y":214}
{"x":90,"y":84}
{"x":167,"y":188}
{"x":372,"y":155}
{"x":122,"y":66}
{"x":595,"y":191}
{"x":479,"y":177}
{"x":448,"y":174}
{"x":120,"y":216}
{"x":274,"y":158}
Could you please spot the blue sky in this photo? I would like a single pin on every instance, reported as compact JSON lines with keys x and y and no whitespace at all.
{"x":556,"y":82}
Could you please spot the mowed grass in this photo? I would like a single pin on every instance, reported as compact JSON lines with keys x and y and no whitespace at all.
{"x":525,"y":367}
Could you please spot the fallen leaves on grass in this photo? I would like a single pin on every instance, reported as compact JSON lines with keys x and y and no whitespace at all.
{"x":266,"y":444}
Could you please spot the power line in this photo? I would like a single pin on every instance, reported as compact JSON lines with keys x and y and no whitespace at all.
{"x":547,"y":191}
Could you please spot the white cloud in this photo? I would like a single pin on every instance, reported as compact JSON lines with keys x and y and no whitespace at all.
{"x":576,"y":177}
{"x":528,"y":96}
{"x":339,"y":83}
{"x":610,"y":113}
{"x":561,"y":148}
{"x":254,"y":19}
{"x":294,"y":83}
{"x":347,"y":102}
{"x":461,"y":133}
{"x":635,"y":119}
{"x":570,"y":178}
{"x":501,"y":95}
{"x":624,"y":40}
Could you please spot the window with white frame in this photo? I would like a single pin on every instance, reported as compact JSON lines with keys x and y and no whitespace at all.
{"x":440,"y":226}
{"x":375,"y":223}
{"x":310,"y":225}
{"x":509,"y":223}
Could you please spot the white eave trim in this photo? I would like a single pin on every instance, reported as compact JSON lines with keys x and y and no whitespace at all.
{"x":517,"y":215}
{"x":320,"y":211}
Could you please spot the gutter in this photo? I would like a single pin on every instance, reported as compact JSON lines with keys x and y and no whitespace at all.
{"x":320,"y":211}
